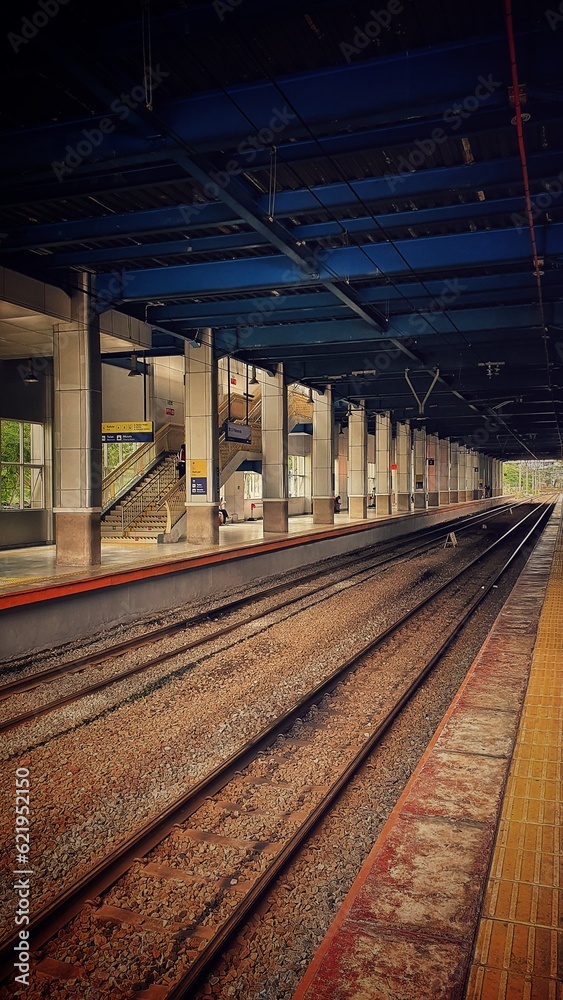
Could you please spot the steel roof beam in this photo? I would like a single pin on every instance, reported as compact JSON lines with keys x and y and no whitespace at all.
{"x":473,"y":177}
{"x":316,"y":231}
{"x":493,"y":289}
{"x":516,"y":318}
{"x":424,"y":255}
{"x":399,"y":87}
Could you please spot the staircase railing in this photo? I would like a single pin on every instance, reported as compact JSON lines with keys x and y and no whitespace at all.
{"x":134,"y":508}
{"x":137,"y":464}
{"x":175,"y":503}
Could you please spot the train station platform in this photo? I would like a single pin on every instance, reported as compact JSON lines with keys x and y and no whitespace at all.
{"x":137,"y":579}
{"x":452,"y":903}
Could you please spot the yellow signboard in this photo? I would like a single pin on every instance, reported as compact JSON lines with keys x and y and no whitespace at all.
{"x":198,"y":468}
{"x":128,"y":427}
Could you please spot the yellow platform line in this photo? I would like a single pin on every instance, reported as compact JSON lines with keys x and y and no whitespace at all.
{"x":519,"y":945}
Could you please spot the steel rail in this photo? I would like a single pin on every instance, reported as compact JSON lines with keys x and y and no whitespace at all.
{"x":31,"y":714}
{"x":183,"y":988}
{"x":58,"y":912}
{"x":21,"y":685}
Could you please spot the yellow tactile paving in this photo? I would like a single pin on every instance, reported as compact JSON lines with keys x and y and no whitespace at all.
{"x":519,"y":947}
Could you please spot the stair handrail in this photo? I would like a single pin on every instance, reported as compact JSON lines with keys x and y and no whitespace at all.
{"x":134,"y":508}
{"x":174,"y":501}
{"x":136,"y":465}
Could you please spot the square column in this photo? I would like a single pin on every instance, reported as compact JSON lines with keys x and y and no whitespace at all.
{"x":444,"y":494}
{"x":383,"y":463}
{"x":202,"y":443}
{"x":482,"y":473}
{"x":433,"y":462}
{"x":78,"y":433}
{"x":357,"y":462}
{"x":403,"y":460}
{"x":454,"y":471}
{"x":462,"y":474}
{"x":497,"y":478}
{"x":475,"y":474}
{"x":274,"y":453}
{"x":323,"y":461}
{"x":420,"y":469}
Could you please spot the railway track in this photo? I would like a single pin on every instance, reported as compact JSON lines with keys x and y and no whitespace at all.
{"x":232,"y":799}
{"x":99,"y":659}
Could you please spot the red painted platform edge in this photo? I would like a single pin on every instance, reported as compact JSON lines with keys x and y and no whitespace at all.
{"x":19,"y":598}
{"x":342,"y":915}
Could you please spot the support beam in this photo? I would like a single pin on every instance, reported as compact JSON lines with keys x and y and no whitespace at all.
{"x":357,"y":462}
{"x":274,"y":453}
{"x":77,"y":433}
{"x":202,"y":443}
{"x":323,"y":460}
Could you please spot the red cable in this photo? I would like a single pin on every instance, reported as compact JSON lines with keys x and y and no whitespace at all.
{"x":520,"y":135}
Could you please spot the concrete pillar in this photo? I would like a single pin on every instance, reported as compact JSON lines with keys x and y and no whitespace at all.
{"x":475,"y":474}
{"x":78,"y":433}
{"x":403,"y":459}
{"x":444,"y":495}
{"x":383,"y":463}
{"x":274,"y":453}
{"x":433,"y":462}
{"x":454,"y":471}
{"x":323,"y":465}
{"x":461,"y":473}
{"x":202,"y":443}
{"x":420,"y":469}
{"x":497,"y":489}
{"x":470,"y":475}
{"x":485,"y":471}
{"x":357,"y":462}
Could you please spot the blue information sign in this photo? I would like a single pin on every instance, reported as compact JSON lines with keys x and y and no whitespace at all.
{"x":198,"y":487}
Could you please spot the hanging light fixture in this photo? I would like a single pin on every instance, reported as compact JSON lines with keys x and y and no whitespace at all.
{"x":253,"y":380}
{"x":29,"y":375}
{"x":134,"y":370}
{"x":194,"y":341}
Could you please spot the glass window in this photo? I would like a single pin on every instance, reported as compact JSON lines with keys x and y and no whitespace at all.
{"x":11,"y":486}
{"x":21,"y":465}
{"x":296,"y":475}
{"x":10,"y":441}
{"x":252,"y":486}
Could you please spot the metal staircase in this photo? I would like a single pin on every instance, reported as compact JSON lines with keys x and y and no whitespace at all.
{"x":141,"y":513}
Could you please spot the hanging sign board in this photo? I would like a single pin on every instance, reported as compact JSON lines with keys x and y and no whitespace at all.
{"x":430,"y":461}
{"x":238,"y":432}
{"x":127,"y":431}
